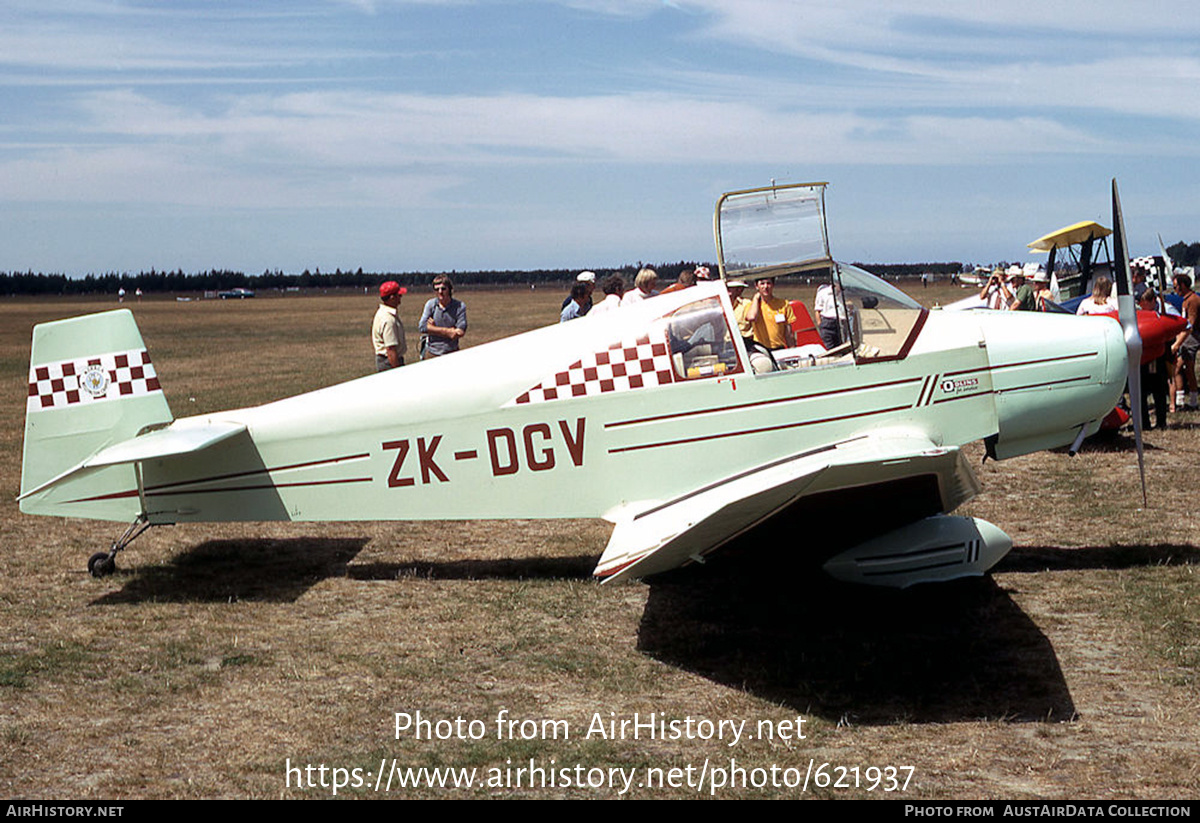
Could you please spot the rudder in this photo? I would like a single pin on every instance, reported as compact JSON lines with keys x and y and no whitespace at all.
{"x":91,"y":384}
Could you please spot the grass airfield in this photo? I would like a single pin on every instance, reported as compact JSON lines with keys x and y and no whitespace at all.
{"x":221,"y":654}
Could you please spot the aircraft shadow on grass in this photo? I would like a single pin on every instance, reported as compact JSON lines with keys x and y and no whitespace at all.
{"x":219,"y":571}
{"x":282,"y":570}
{"x":1184,"y":424}
{"x":1026,"y":559}
{"x":957,"y":651}
{"x":514,"y":568}
{"x":930,"y":654}
{"x":1111,"y":442}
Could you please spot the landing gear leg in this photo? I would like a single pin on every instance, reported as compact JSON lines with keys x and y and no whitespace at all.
{"x":102,"y":564}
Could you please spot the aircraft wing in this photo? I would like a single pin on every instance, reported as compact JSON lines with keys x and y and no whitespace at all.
{"x":656,"y":537}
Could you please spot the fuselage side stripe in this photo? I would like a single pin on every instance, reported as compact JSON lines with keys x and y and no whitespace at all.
{"x":1043,"y":361}
{"x":759,"y":430}
{"x":259,"y":487}
{"x":921,"y":396}
{"x":264,"y":470}
{"x":1043,"y":385}
{"x":758,"y":403}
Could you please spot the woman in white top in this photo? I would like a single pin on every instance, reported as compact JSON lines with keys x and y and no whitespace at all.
{"x":1101,"y":301}
{"x":644,"y":284}
{"x":613,"y":287}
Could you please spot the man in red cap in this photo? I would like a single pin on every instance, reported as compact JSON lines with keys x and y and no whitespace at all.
{"x":387,"y":332}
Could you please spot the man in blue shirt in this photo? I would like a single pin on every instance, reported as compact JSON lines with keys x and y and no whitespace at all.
{"x":444,"y":320}
{"x":580,"y":293}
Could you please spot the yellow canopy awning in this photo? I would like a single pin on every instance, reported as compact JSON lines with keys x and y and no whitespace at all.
{"x":1070,"y":236}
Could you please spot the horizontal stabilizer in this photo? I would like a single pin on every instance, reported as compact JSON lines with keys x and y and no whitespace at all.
{"x":671,"y":534}
{"x":183,"y":437}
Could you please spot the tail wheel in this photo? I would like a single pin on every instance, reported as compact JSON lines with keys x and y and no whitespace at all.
{"x":101,"y":564}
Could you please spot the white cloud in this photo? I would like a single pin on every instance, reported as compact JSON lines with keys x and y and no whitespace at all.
{"x":345,"y":147}
{"x":922,"y":30}
{"x":334,"y":104}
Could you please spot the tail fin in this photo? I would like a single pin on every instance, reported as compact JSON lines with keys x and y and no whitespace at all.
{"x":91,"y":384}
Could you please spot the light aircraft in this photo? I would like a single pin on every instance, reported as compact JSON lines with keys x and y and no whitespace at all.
{"x":1082,"y":250}
{"x":1085,"y":247}
{"x":1081,"y":243}
{"x":649,"y":417}
{"x":976,"y":278}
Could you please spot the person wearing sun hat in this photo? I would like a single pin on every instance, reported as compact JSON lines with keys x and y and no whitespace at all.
{"x":740,"y":306}
{"x":587,"y":278}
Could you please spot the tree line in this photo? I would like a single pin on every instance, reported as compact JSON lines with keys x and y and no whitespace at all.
{"x":1184,"y":254}
{"x":898,"y":271}
{"x":30,"y":283}
{"x":153,"y":281}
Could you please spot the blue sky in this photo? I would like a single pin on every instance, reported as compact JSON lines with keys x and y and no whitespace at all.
{"x":461,"y":134}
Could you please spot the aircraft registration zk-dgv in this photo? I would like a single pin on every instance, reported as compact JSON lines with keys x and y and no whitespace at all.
{"x":651,"y":417}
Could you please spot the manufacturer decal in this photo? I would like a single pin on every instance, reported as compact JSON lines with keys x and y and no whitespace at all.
{"x":959,"y":385}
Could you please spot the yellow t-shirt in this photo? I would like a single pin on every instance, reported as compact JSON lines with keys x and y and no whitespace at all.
{"x":773,"y":317}
{"x":745,"y":327}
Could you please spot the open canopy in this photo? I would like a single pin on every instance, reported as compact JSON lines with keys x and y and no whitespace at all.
{"x":771,"y":231}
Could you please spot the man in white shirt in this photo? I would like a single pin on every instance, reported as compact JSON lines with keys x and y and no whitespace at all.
{"x":830,"y":315}
{"x":387,"y":332}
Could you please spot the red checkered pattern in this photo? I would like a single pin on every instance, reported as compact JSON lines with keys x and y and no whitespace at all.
{"x":632,"y":364}
{"x":91,"y":380}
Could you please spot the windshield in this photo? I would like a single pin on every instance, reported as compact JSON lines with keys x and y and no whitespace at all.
{"x":883,"y":320}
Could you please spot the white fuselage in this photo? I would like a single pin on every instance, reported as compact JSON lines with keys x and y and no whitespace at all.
{"x":449,"y":438}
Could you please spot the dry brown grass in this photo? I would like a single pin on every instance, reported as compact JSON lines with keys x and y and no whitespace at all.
{"x":219,"y":651}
